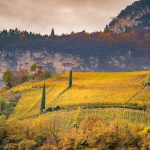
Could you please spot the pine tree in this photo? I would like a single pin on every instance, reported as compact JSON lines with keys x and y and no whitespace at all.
{"x":43,"y":99}
{"x":52,"y":33}
{"x":70,"y":79}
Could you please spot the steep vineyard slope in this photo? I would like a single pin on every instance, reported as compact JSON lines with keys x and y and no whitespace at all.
{"x":89,"y":90}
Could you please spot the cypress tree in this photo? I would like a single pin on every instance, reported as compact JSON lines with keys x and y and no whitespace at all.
{"x":52,"y":33}
{"x":43,"y":99}
{"x":70,"y":79}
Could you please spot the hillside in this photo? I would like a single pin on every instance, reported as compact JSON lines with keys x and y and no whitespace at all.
{"x":75,"y":91}
{"x":89,"y":90}
{"x":96,"y":113}
{"x":133,"y":17}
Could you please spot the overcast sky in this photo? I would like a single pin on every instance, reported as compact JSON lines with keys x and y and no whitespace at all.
{"x":63,"y":15}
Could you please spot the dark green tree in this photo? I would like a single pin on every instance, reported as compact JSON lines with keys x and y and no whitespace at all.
{"x":52,"y":33}
{"x":8,"y":78}
{"x":70,"y":79}
{"x":33,"y":68}
{"x":43,"y":99}
{"x":106,"y":29}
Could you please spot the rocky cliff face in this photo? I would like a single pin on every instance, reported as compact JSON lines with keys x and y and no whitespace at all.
{"x":135,"y":16}
{"x":57,"y":62}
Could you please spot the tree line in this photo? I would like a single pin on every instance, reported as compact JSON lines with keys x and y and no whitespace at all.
{"x":81,"y":43}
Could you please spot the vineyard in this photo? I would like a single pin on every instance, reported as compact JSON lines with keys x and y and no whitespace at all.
{"x":96,"y":104}
{"x":90,"y":90}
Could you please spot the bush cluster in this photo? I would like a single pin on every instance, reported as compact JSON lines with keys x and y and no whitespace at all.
{"x":92,"y":133}
{"x":36,"y":73}
{"x":51,"y":109}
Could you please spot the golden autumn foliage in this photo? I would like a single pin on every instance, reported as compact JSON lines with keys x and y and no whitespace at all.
{"x":89,"y":89}
{"x":77,"y":127}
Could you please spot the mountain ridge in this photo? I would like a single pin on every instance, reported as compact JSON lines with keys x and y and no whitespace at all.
{"x":135,"y":16}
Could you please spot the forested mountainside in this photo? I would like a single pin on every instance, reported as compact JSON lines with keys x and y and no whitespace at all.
{"x":82,"y":43}
{"x":101,"y":51}
{"x":135,"y":16}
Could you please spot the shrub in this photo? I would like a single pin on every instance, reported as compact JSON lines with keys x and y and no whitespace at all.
{"x":10,"y":146}
{"x":40,"y":139}
{"x":4,"y":107}
{"x":57,"y":108}
{"x":8,"y":78}
{"x":94,"y":133}
{"x":48,"y":147}
{"x":27,"y":145}
{"x":3,"y":134}
{"x":50,"y":109}
{"x":33,"y":67}
{"x":12,"y":139}
{"x":46,"y":74}
{"x":22,"y":145}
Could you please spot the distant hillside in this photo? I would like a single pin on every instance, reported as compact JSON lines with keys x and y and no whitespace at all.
{"x":135,"y":16}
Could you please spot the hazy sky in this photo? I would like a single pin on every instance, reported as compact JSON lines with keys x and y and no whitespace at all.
{"x":62,"y":15}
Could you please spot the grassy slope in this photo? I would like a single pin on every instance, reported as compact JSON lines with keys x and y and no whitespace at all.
{"x":88,"y":88}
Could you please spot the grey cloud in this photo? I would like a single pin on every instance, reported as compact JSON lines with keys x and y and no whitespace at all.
{"x":63,"y":15}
